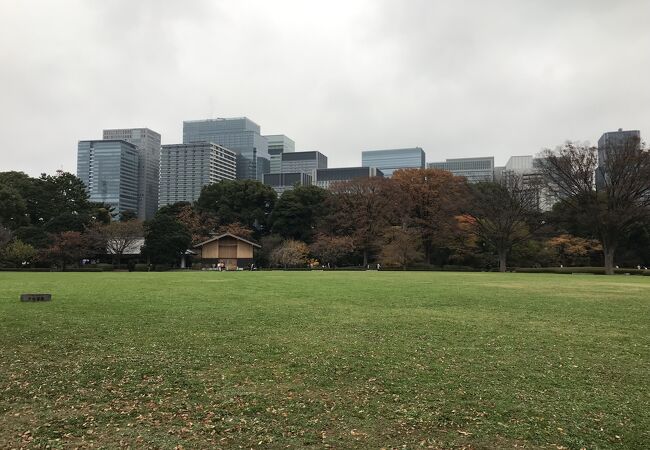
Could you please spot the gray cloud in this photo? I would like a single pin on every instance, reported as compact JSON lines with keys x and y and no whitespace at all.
{"x":458,"y":78}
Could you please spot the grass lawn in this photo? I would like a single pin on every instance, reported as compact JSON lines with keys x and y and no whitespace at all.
{"x":323,"y":359}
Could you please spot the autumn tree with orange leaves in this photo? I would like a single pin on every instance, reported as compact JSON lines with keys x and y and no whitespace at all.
{"x":429,"y":201}
{"x":572,"y":250}
{"x":362,"y":209}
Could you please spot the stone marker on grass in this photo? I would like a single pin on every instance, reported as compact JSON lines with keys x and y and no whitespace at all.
{"x":35,"y":297}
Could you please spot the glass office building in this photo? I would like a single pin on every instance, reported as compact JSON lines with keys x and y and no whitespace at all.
{"x":278,"y":144}
{"x":240,"y":135}
{"x":302,"y":162}
{"x":391,"y":160}
{"x":281,"y":182}
{"x":325,"y":177}
{"x":186,"y":168}
{"x":109,"y":169}
{"x":474,"y":169}
{"x":609,"y":142}
{"x":148,"y":144}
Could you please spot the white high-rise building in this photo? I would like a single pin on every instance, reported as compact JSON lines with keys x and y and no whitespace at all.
{"x":520,"y":164}
{"x":186,"y":168}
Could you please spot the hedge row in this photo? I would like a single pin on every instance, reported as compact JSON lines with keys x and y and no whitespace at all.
{"x":31,"y":269}
{"x":165,"y":267}
{"x":421,"y":268}
{"x":580,"y":270}
{"x":91,"y":268}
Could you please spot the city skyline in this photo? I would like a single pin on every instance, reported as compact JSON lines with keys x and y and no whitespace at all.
{"x":447,"y":78}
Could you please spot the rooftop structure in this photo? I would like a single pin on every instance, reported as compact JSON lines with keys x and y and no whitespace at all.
{"x":278,"y":144}
{"x":325,"y":177}
{"x":281,"y":182}
{"x":390,"y":160}
{"x":474,"y":169}
{"x":303,"y":162}
{"x":238,"y":134}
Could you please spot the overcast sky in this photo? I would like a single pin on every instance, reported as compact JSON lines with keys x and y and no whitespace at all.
{"x":457,"y":78}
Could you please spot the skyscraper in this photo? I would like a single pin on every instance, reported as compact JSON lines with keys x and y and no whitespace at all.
{"x":281,"y":182}
{"x":109,"y":169}
{"x":240,"y":135}
{"x":391,"y":160}
{"x":613,"y":141}
{"x":186,"y":168}
{"x":303,"y":162}
{"x":148,"y":144}
{"x":278,"y":144}
{"x":325,"y":177}
{"x":474,"y":169}
{"x":525,"y":172}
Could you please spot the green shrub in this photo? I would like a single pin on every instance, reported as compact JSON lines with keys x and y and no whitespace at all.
{"x":458,"y":268}
{"x":631,"y":271}
{"x":586,"y":270}
{"x":105,"y":267}
{"x":30,"y":269}
{"x":141,"y":268}
{"x":83,"y":269}
{"x":423,"y":266}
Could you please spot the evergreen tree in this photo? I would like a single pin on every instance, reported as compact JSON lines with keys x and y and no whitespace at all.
{"x":165,"y":240}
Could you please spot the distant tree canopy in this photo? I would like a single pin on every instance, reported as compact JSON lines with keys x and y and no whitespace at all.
{"x":419,"y":216}
{"x":17,"y":253}
{"x":248,"y":202}
{"x":51,"y":201}
{"x":361,"y":209}
{"x":69,"y":247}
{"x":127,"y":215}
{"x":290,"y":253}
{"x":119,"y":237}
{"x":13,"y":209}
{"x":401,"y":246}
{"x":431,"y":199}
{"x":5,"y":236}
{"x":236,"y":229}
{"x":504,"y":214}
{"x":331,"y":250}
{"x":298,"y":212}
{"x":200,"y":224}
{"x":609,"y":206}
{"x":165,"y":240}
{"x":42,"y":212}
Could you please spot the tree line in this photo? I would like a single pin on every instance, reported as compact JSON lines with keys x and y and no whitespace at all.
{"x":417,"y":218}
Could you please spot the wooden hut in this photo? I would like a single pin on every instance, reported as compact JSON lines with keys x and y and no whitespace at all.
{"x":227,"y":248}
